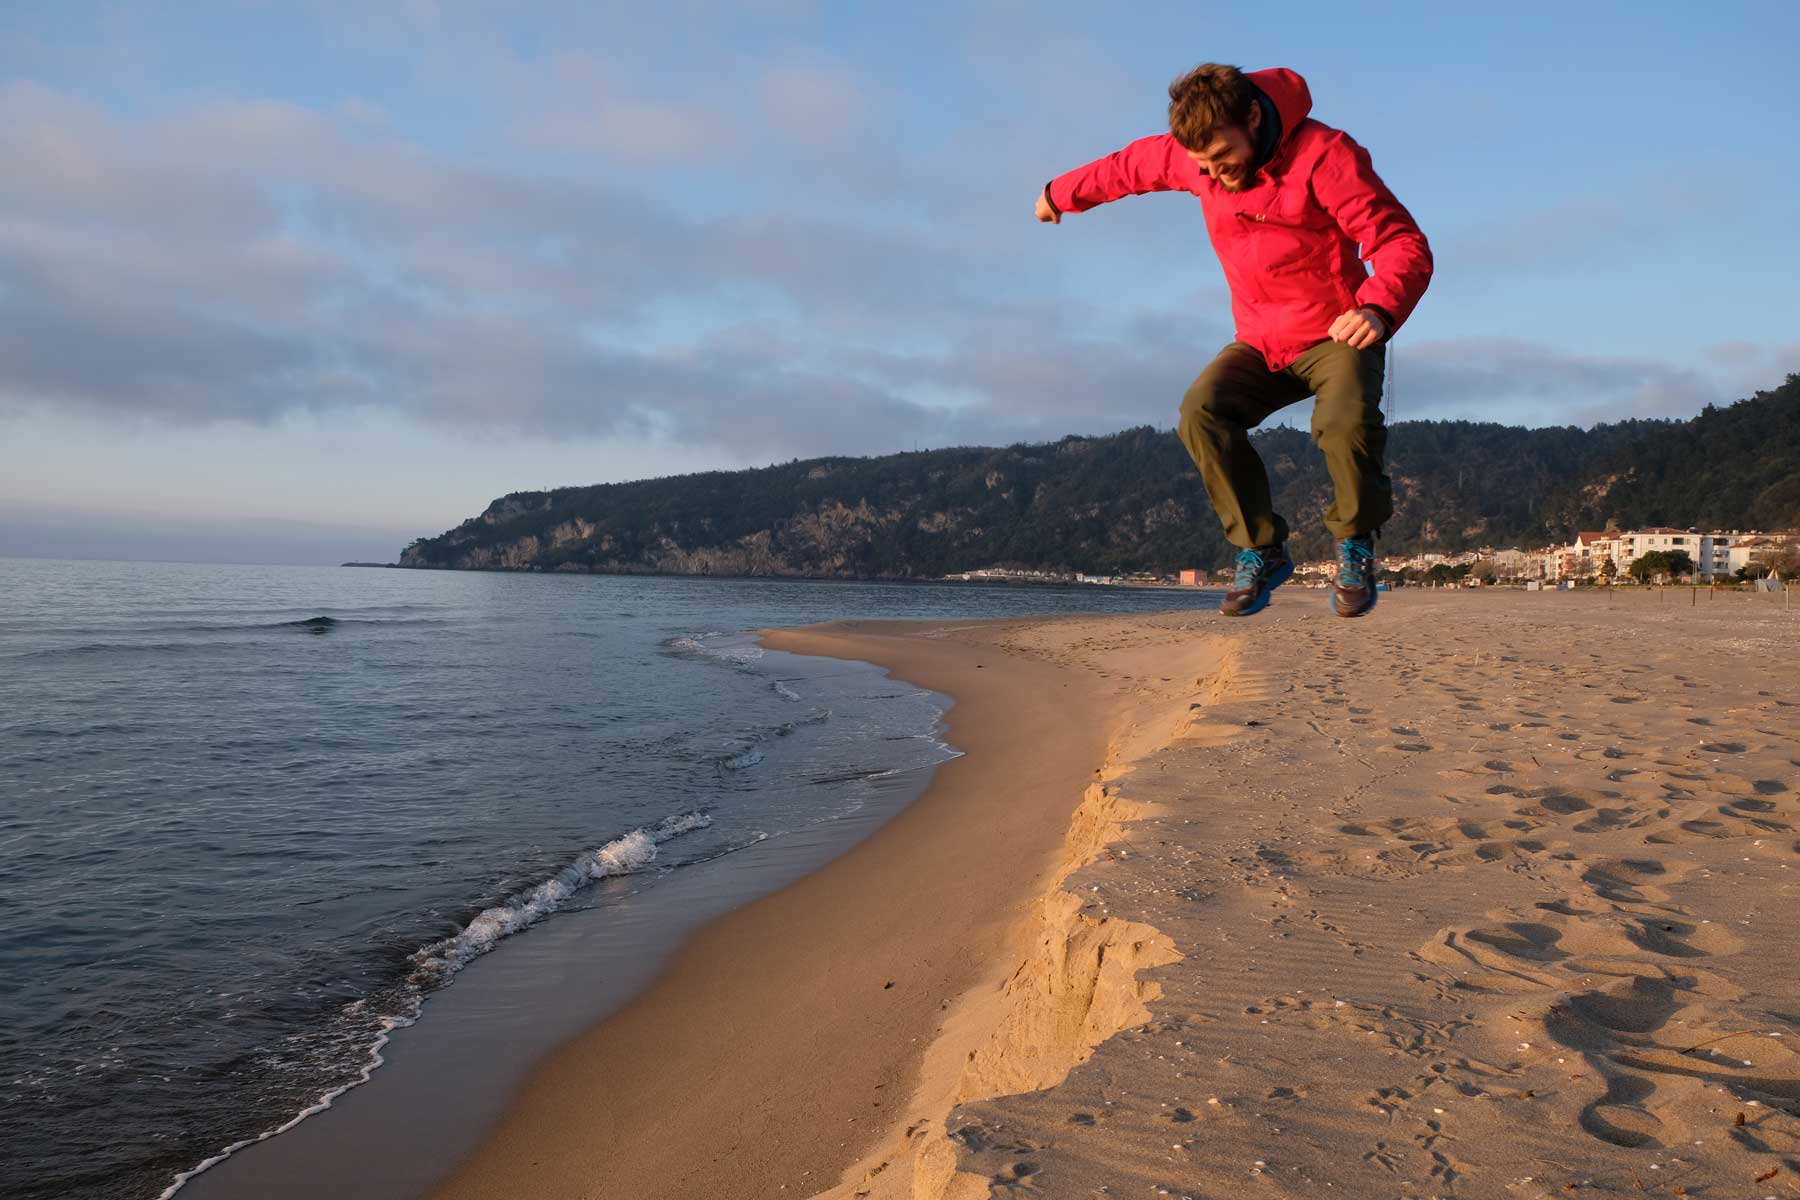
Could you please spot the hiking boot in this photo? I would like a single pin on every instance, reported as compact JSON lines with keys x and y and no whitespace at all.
{"x":1259,"y":572}
{"x":1353,"y":592}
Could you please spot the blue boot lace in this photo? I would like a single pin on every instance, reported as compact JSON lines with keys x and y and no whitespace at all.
{"x":1250,"y":568}
{"x":1356,"y":561}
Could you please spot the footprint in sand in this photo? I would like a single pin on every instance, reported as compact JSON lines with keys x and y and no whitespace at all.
{"x":1566,"y":908}
{"x":1600,"y":810}
{"x":1565,"y":803}
{"x":1522,"y":939}
{"x":1640,"y":1005}
{"x":1680,"y":939}
{"x":1605,"y":820}
{"x":1619,"y":1116}
{"x":1628,"y":880}
{"x":1747,"y":806}
{"x":1651,"y":1078}
{"x":1757,"y":817}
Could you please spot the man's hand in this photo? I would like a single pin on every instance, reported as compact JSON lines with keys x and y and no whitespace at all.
{"x":1360,"y":327}
{"x":1046,"y":213}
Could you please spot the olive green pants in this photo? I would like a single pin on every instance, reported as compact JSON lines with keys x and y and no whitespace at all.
{"x":1238,"y":392}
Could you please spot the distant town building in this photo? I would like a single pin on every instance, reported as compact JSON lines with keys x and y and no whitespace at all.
{"x":1510,"y":564}
{"x":1715,"y":554}
{"x":1758,"y":550}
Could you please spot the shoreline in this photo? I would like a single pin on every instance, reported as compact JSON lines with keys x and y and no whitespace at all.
{"x":857,"y":969}
{"x":449,"y":1077}
{"x":1465,"y":899}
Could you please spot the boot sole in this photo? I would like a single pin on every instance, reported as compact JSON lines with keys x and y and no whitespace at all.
{"x":1281,"y":576}
{"x":1368,"y":608}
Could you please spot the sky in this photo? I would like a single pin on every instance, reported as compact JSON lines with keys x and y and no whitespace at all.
{"x":304,"y":280}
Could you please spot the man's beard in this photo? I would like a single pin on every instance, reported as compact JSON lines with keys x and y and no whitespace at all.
{"x":1238,"y":183}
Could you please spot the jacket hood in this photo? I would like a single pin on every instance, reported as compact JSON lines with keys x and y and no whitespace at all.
{"x":1287,"y":91}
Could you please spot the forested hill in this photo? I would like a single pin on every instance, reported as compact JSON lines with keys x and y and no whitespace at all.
{"x":1133,"y":501}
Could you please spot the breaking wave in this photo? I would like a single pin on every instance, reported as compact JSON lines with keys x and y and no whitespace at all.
{"x":622,"y":856}
{"x":726,"y":650}
{"x":433,"y":965}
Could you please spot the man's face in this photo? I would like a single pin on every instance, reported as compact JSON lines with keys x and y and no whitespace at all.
{"x":1228,"y":156}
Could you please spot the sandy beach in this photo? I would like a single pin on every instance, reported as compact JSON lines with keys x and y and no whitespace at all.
{"x":1485,"y":895}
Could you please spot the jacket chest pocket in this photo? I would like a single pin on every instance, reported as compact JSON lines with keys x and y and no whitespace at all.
{"x":1289,"y":236}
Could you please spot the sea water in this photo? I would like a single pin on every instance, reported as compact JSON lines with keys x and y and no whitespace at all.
{"x":253,"y":818}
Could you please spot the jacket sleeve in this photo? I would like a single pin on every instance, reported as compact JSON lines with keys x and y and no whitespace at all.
{"x":1151,"y":164}
{"x":1345,"y":183}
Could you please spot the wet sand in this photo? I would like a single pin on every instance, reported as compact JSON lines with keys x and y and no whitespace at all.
{"x":783,"y":1038}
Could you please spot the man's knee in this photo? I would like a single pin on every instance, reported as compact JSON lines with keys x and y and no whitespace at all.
{"x":1203,"y":405}
{"x":1350,"y":440}
{"x":1348,"y":412}
{"x":1214,"y":404}
{"x":1345,"y":426}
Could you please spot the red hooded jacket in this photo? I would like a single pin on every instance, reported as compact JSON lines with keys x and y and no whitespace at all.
{"x":1289,"y":242}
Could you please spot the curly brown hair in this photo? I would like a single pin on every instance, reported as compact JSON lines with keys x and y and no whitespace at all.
{"x":1208,"y":97}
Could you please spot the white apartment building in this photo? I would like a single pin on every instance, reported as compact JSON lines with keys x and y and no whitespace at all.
{"x":1512,"y":563}
{"x":1716,"y":555}
{"x":1747,"y":549}
{"x":1586,"y":555}
{"x":1626,"y":548}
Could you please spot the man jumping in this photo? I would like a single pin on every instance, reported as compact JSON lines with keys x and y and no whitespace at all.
{"x":1287,"y":203}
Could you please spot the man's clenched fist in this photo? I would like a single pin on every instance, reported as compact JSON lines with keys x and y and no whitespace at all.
{"x":1360,"y":327}
{"x":1045,"y":212}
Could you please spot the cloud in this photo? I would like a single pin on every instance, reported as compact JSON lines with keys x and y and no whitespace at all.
{"x":813,"y":104}
{"x":1512,"y":380}
{"x":239,"y":260}
{"x":1581,"y":230}
{"x":582,"y":104}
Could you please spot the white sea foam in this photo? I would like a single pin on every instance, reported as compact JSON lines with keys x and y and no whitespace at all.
{"x":741,"y":760}
{"x":438,"y":961}
{"x":784,"y":691}
{"x":733,"y":650}
{"x":622,"y":856}
{"x":737,"y":656}
{"x":375,"y":1059}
